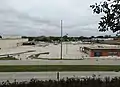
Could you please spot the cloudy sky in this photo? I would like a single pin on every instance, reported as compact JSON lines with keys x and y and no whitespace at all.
{"x":42,"y":17}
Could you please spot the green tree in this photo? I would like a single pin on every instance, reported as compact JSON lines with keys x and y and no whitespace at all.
{"x":24,"y":37}
{"x":65,"y":38}
{"x":92,"y":37}
{"x":111,"y":15}
{"x":100,"y":36}
{"x":0,"y":36}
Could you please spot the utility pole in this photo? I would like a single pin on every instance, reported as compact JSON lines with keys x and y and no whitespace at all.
{"x":67,"y":46}
{"x":58,"y":76}
{"x":61,"y":40}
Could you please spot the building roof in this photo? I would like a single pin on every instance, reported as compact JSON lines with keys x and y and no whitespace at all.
{"x":11,"y":36}
{"x":104,"y":47}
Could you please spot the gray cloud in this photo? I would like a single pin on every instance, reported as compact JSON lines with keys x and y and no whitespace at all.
{"x":38,"y":17}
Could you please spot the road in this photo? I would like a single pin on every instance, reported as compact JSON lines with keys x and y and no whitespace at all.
{"x":26,"y":76}
{"x":60,"y":62}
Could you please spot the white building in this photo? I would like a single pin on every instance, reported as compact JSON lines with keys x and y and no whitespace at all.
{"x":11,"y":41}
{"x":11,"y":37}
{"x":102,"y":38}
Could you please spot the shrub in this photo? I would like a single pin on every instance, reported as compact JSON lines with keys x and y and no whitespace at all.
{"x":69,"y":82}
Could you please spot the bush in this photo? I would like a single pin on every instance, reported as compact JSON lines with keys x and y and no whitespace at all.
{"x":69,"y":82}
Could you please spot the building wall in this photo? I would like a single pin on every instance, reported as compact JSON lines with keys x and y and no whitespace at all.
{"x":102,"y":38}
{"x":119,"y":53}
{"x":92,"y":53}
{"x":104,"y":52}
{"x":11,"y":36}
{"x":10,"y":43}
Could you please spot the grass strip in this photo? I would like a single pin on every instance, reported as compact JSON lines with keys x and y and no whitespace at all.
{"x":42,"y":68}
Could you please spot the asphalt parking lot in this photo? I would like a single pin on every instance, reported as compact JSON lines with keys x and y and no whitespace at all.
{"x":70,"y":51}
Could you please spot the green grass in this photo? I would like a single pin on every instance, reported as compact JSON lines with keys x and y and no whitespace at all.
{"x":41,"y":68}
{"x":8,"y":58}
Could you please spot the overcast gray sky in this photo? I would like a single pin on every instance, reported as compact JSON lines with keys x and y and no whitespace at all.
{"x":42,"y":17}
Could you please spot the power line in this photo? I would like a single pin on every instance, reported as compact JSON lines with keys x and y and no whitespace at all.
{"x":61,"y":39}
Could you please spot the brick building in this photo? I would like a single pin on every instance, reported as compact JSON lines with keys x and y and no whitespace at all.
{"x":97,"y":51}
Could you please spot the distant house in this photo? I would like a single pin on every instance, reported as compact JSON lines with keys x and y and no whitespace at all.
{"x":10,"y":36}
{"x":103,"y":39}
{"x":11,"y":41}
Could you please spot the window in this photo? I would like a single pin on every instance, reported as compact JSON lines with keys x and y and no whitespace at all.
{"x":113,"y":53}
{"x":97,"y":54}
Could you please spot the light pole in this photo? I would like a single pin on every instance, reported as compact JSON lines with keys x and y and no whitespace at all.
{"x":67,"y":44}
{"x":66,"y":48}
{"x":61,"y":39}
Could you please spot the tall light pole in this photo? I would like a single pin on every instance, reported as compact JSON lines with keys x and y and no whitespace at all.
{"x":67,"y":43}
{"x":61,"y":39}
{"x":66,"y":47}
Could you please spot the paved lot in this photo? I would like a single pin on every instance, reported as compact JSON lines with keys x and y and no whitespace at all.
{"x":26,"y":76}
{"x":70,"y":51}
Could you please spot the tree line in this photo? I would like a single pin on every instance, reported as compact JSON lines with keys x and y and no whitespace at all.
{"x":110,"y":19}
{"x":64,"y":38}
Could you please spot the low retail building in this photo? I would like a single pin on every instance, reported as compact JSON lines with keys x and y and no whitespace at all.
{"x":97,"y":51}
